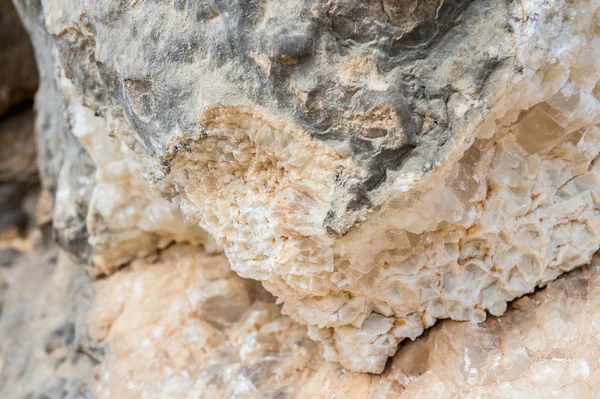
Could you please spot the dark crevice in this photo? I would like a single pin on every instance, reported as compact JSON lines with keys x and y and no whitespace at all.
{"x":16,"y":109}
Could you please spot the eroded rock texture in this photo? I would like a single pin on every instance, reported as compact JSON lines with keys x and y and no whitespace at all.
{"x":18,"y":74}
{"x":181,"y":324}
{"x":376,"y":165}
{"x":184,"y":325}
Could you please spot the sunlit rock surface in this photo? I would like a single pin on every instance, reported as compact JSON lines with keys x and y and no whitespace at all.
{"x":375,"y":169}
{"x":183,"y":325}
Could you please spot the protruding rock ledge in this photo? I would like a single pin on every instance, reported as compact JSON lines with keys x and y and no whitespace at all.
{"x":375,"y":175}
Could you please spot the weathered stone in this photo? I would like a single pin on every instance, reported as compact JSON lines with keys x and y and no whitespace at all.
{"x":375,"y":168}
{"x":160,"y":342}
{"x":181,"y":324}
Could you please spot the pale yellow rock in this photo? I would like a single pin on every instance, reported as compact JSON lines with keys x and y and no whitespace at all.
{"x":187,"y":326}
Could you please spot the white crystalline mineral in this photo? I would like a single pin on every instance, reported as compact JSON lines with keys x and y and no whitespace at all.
{"x":125,"y":218}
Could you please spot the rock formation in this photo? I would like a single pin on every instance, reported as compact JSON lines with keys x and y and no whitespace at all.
{"x":186,"y":326}
{"x":377,"y":166}
{"x":182,"y":324}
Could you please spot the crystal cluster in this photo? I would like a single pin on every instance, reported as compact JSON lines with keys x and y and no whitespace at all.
{"x":518,"y":209}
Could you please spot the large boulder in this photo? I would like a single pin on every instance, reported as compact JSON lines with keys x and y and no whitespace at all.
{"x":376,"y":165}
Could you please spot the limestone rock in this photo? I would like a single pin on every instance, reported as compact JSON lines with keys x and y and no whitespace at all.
{"x":187,"y":326}
{"x":184,"y":325}
{"x":104,"y":214}
{"x":104,"y":210}
{"x":376,"y":165}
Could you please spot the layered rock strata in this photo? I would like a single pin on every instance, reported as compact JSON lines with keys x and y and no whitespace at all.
{"x":376,"y":166}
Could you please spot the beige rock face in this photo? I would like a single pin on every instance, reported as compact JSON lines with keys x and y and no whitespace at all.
{"x":183,"y":325}
{"x":375,"y":171}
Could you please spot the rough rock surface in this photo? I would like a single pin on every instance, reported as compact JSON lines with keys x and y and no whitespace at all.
{"x":181,"y":324}
{"x":184,"y":325}
{"x":376,"y":165}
